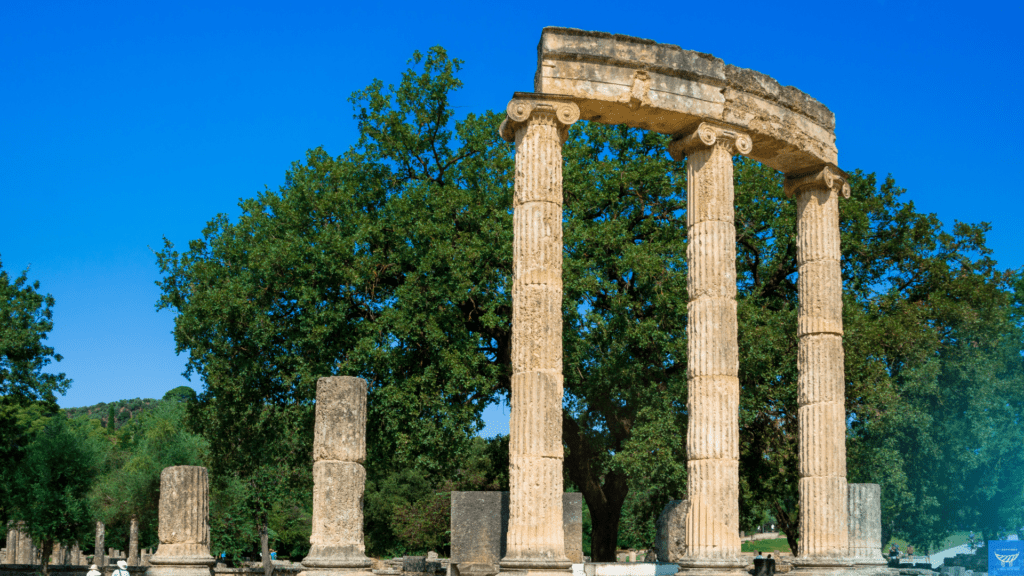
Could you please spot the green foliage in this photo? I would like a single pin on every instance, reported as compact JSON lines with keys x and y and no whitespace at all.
{"x":53,"y":481}
{"x":25,"y":319}
{"x":123,"y":410}
{"x":130,"y":484}
{"x":20,"y":422}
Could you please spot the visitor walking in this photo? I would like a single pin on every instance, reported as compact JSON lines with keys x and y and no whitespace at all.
{"x":122,"y":569}
{"x":93,"y":571}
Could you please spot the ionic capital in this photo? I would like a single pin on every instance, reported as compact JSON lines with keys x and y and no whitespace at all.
{"x":526,"y":107}
{"x":829,"y":178}
{"x":708,"y":134}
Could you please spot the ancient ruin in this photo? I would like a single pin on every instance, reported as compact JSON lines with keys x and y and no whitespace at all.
{"x":339,"y":479}
{"x":865,"y":519}
{"x":184,"y":524}
{"x":713,"y":111}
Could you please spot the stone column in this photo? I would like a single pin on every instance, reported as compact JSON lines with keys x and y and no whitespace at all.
{"x":184,"y":524}
{"x":339,"y":479}
{"x":865,"y":519}
{"x":821,"y":381}
{"x":26,"y":551}
{"x":99,"y":557}
{"x":538,"y":124}
{"x":712,"y":439}
{"x":133,"y":542}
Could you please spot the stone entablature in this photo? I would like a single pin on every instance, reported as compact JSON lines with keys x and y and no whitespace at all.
{"x":618,"y":79}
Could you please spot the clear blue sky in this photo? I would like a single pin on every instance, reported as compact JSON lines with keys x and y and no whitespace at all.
{"x":124,"y":122}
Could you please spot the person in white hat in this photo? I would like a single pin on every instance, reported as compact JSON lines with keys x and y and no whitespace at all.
{"x":93,"y":571}
{"x":122,"y":569}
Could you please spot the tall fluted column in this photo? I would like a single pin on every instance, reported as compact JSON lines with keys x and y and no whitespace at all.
{"x":339,"y":479}
{"x":538,"y":125}
{"x":865,"y":519}
{"x":712,"y":440}
{"x":821,"y":382}
{"x":184,"y":524}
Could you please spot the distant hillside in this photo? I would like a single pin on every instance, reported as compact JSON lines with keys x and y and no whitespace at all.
{"x":124,"y":410}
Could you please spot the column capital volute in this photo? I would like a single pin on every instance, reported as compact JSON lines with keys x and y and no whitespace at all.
{"x":828,"y":177}
{"x":710,"y":134}
{"x":525,"y":105}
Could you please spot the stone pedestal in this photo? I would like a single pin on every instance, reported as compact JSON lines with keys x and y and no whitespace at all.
{"x":479,"y":530}
{"x":339,"y":479}
{"x":712,"y":543}
{"x":824,"y":534}
{"x":538,"y":126}
{"x":865,"y":522}
{"x":184,"y":524}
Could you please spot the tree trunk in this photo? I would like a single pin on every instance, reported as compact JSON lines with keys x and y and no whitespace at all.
{"x":603,"y":500}
{"x":133,"y":542}
{"x":45,"y":559}
{"x":790,"y":524}
{"x":268,"y":566}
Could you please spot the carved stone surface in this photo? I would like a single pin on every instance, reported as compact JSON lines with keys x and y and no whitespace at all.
{"x":339,"y":479}
{"x":340,"y":429}
{"x":536,"y":538}
{"x":821,"y":384}
{"x":712,"y":519}
{"x":670,"y":538}
{"x":337,"y":538}
{"x":865,"y":522}
{"x":618,"y":79}
{"x":184,"y":527}
{"x":479,"y":528}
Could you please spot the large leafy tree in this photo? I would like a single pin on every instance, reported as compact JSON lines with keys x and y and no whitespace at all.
{"x":27,"y":393}
{"x":393,"y":262}
{"x":53,"y":481}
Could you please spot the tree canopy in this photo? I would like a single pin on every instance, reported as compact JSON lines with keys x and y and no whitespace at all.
{"x":392,"y":262}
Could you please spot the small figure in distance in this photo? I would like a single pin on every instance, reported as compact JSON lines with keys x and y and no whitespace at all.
{"x":758,"y":557}
{"x":93,"y":571}
{"x":122,"y":569}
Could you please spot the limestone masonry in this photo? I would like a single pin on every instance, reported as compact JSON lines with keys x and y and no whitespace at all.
{"x":339,"y":479}
{"x":184,"y":524}
{"x":713,"y":111}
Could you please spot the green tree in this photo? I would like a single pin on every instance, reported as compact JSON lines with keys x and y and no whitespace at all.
{"x":393,"y":262}
{"x":52,"y":484}
{"x":25,"y":319}
{"x":130,"y":482}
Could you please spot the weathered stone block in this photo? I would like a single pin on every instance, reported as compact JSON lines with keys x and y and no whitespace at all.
{"x":340,"y":428}
{"x":670,"y":539}
{"x":479,"y":530}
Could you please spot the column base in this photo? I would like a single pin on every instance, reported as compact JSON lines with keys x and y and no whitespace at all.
{"x":336,"y":572}
{"x":803,"y":566}
{"x":179,"y":570}
{"x":534,"y":567}
{"x":696,"y":566}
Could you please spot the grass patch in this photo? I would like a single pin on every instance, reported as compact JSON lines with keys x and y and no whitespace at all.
{"x":952,"y":540}
{"x":765,"y":546}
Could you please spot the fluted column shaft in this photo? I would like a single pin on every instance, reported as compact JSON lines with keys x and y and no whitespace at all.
{"x":184,"y":514}
{"x":535,"y":534}
{"x":339,"y":479}
{"x":712,"y":440}
{"x":821,"y":381}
